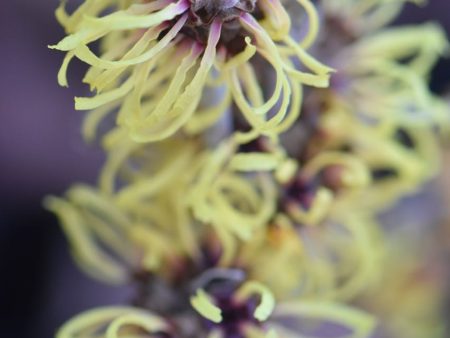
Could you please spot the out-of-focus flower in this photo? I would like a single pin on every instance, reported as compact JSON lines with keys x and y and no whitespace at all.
{"x":391,"y":69}
{"x":360,"y":17}
{"x":118,"y":247}
{"x":378,"y":114}
{"x":379,"y":109}
{"x":268,"y":319}
{"x":134,"y":190}
{"x":134,"y":226}
{"x":233,"y":311}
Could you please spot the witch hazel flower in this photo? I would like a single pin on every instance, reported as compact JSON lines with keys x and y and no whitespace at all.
{"x":238,"y":309}
{"x":236,"y":312}
{"x":378,"y":109}
{"x":184,"y":286}
{"x":142,"y":230}
{"x":198,"y":296}
{"x":158,"y":57}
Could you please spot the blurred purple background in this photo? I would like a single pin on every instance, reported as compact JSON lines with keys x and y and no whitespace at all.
{"x":42,"y":153}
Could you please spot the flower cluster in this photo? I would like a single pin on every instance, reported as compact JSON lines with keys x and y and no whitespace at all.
{"x":251,"y":146}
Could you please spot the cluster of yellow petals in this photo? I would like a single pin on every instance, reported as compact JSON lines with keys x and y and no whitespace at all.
{"x":154,"y":77}
{"x":176,"y":178}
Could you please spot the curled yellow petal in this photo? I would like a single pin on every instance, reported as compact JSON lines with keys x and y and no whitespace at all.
{"x":110,"y":319}
{"x":267,"y":303}
{"x":202,"y":303}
